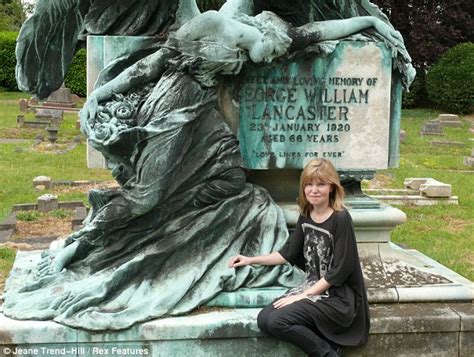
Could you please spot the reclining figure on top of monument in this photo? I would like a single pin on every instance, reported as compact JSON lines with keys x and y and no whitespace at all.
{"x":158,"y":245}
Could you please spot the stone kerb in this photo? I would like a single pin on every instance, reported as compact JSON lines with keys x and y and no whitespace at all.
{"x":469,"y":161}
{"x":429,"y":187}
{"x":409,"y":329}
{"x":450,"y":120}
{"x":417,"y":191}
{"x":433,"y":188}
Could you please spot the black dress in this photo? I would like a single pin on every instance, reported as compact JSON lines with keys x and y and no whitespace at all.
{"x":329,"y":250}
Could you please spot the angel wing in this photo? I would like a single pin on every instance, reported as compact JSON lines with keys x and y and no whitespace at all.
{"x":49,"y":39}
{"x":300,"y":12}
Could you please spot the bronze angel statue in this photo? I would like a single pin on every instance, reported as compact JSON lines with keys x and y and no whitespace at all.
{"x":158,"y":245}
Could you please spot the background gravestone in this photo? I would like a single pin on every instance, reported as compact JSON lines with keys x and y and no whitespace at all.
{"x":432,"y":127}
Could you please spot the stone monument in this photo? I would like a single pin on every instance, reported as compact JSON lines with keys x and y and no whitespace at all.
{"x":166,"y":117}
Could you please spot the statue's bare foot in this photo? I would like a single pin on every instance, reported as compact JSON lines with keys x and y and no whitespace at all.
{"x":53,"y":262}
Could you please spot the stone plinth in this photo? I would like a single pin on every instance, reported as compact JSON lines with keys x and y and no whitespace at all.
{"x":60,"y":98}
{"x":47,"y":203}
{"x":469,"y":161}
{"x":393,"y":274}
{"x":43,"y":181}
{"x":396,"y":330}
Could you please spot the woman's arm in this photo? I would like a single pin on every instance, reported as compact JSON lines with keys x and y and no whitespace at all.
{"x":317,"y":289}
{"x":274,"y":258}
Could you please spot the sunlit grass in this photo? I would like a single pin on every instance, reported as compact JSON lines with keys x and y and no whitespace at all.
{"x":444,"y":232}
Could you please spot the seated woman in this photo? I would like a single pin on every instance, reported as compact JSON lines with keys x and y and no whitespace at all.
{"x":330,"y":308}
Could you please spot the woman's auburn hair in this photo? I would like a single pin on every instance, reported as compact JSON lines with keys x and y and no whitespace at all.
{"x":321,"y":170}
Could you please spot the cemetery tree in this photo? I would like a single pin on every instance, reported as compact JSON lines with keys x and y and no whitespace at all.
{"x":11,"y":15}
{"x":430,"y":28}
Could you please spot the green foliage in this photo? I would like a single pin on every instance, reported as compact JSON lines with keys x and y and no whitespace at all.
{"x":76,"y":78}
{"x":7,"y":256}
{"x":417,"y":96}
{"x":449,"y":81}
{"x":31,"y":216}
{"x":8,"y":61}
{"x":61,"y":213}
{"x":432,"y":27}
{"x":11,"y":15}
{"x":28,"y":216}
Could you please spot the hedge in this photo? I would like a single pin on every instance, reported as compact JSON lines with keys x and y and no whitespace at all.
{"x":417,"y":96}
{"x":75,"y":79}
{"x":7,"y":61}
{"x":449,"y":82}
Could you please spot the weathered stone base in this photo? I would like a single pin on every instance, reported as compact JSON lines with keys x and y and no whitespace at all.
{"x":396,"y":330}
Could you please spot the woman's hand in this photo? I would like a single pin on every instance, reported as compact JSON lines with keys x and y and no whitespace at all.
{"x":288,"y":300}
{"x":239,"y":261}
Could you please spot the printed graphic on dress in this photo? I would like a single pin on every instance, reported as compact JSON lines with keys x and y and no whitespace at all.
{"x":318,"y":251}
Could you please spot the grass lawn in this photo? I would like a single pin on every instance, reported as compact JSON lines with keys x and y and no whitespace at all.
{"x":444,"y":233}
{"x":20,"y":163}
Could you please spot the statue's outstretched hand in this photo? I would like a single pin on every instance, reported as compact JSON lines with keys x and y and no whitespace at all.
{"x":88,"y":113}
{"x":392,"y":35}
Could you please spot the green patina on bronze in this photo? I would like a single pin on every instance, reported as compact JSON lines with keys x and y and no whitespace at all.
{"x":159,"y":245}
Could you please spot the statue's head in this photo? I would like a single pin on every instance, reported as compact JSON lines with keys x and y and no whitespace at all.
{"x":275,"y":41}
{"x":265,"y":50}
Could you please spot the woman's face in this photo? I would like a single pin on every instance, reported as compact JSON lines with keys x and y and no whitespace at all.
{"x":317,"y":193}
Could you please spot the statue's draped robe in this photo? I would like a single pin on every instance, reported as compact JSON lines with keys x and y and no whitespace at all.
{"x":172,"y":259}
